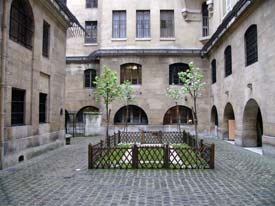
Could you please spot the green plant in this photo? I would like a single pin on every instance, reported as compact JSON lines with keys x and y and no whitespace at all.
{"x":192,"y":84}
{"x":127,"y":97}
{"x":108,"y":89}
{"x":175,"y":94}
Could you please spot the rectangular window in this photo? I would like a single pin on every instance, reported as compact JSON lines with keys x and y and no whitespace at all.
{"x":46,"y":39}
{"x":214,"y":71}
{"x":143,"y":24}
{"x":119,"y":24}
{"x":42,"y":108}
{"x":167,"y":29}
{"x":91,"y":29}
{"x":228,"y":61}
{"x":17,"y":107}
{"x":91,"y":3}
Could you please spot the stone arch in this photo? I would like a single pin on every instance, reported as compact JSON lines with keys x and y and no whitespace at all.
{"x":214,"y":121}
{"x":80,"y":113}
{"x":229,"y":122}
{"x":252,"y":125}
{"x":171,"y":117}
{"x":136,"y":116}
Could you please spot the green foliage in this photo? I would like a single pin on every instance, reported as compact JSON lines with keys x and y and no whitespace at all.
{"x":174,"y":93}
{"x":126,"y":94}
{"x":107,"y":87}
{"x":192,"y":81}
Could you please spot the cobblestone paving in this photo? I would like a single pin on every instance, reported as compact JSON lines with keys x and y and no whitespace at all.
{"x":240,"y":178}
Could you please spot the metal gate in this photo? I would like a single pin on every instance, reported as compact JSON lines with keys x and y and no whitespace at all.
{"x":73,"y":126}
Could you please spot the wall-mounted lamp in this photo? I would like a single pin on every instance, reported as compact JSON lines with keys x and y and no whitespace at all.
{"x":227,"y":93}
{"x":249,"y":86}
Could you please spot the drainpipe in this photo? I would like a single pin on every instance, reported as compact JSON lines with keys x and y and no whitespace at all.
{"x":2,"y":80}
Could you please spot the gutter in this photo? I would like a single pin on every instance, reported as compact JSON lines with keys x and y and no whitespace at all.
{"x":226,"y":24}
{"x":3,"y":80}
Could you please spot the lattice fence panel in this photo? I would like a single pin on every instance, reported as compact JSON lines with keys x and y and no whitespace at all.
{"x":186,"y":158}
{"x":150,"y":157}
{"x":114,"y":158}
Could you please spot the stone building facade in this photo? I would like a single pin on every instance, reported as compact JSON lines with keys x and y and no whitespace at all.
{"x":151,"y":49}
{"x":33,"y":48}
{"x":245,"y":96}
{"x":238,"y":105}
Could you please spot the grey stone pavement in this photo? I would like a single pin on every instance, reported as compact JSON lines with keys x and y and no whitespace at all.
{"x":240,"y":178}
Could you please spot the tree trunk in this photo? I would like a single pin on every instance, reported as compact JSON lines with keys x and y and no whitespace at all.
{"x":195,"y":120}
{"x":107,"y":120}
{"x":127,"y":113}
{"x":178,"y":122}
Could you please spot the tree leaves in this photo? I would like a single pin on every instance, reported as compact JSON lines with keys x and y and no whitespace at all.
{"x":192,"y":80}
{"x":107,"y":86}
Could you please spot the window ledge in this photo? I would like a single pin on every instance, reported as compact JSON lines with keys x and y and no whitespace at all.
{"x":143,"y":39}
{"x":90,"y":44}
{"x":168,"y":39}
{"x":119,"y":39}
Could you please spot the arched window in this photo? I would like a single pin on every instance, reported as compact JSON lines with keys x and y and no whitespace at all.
{"x":214,"y":71}
{"x":89,"y":78}
{"x":131,"y":72}
{"x":205,"y":20}
{"x":178,"y":114}
{"x":174,"y":69}
{"x":228,"y":61}
{"x":136,"y":115}
{"x":21,"y":23}
{"x":80,"y":113}
{"x":251,"y":45}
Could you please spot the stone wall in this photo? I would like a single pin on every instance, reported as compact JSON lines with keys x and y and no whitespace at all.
{"x":29,"y":70}
{"x":254,"y":82}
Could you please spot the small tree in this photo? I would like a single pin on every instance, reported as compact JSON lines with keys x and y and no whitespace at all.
{"x":108,"y":89}
{"x":193,"y":83}
{"x":127,"y":97}
{"x":175,"y":94}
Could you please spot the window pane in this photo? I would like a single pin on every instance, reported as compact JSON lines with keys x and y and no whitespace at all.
{"x":91,"y":29}
{"x":42,"y":107}
{"x":89,"y":78}
{"x":228,"y":61}
{"x":91,"y":3}
{"x":135,"y":116}
{"x":46,"y":39}
{"x":119,"y":24}
{"x":17,"y":106}
{"x":167,"y":24}
{"x":21,"y":23}
{"x":132,"y":73}
{"x":143,"y":24}
{"x":180,"y":114}
{"x":174,"y":69}
{"x":251,"y":44}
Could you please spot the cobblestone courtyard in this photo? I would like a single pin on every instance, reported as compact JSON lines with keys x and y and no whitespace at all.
{"x":61,"y":177}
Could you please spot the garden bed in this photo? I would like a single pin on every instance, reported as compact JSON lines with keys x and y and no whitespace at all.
{"x":113,"y":154}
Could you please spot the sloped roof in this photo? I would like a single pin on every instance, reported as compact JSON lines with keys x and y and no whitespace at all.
{"x":240,"y":7}
{"x":75,"y":26}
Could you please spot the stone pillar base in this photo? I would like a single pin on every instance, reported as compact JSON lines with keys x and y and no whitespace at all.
{"x":269,"y":145}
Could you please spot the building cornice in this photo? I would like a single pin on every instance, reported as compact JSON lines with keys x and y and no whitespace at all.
{"x":96,"y":55}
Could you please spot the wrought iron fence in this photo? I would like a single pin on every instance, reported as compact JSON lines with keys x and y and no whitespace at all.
{"x":125,"y":151}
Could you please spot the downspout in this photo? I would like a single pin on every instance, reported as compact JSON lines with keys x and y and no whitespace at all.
{"x":3,"y":80}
